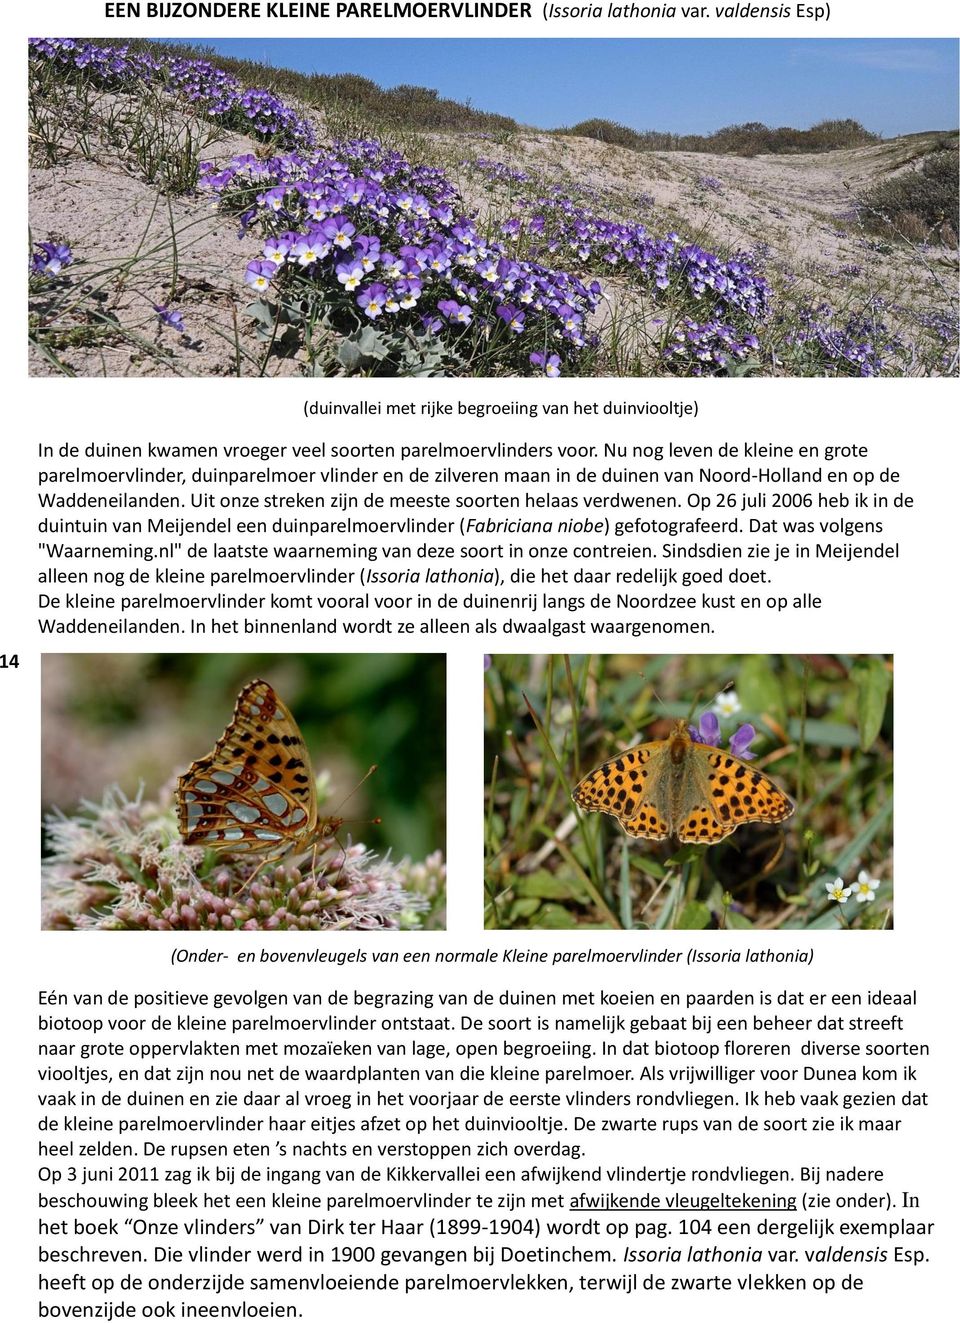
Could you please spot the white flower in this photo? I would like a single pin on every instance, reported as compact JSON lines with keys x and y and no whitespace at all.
{"x":865,"y":886}
{"x":727,"y":704}
{"x":837,"y":891}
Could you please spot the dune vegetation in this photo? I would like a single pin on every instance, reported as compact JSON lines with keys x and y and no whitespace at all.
{"x":194,"y":215}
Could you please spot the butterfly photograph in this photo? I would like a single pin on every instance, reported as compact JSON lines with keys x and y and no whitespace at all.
{"x":688,"y":792}
{"x":274,"y":792}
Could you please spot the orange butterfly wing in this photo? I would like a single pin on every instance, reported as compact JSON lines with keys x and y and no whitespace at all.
{"x":721,"y":794}
{"x":256,"y":790}
{"x":631,"y":788}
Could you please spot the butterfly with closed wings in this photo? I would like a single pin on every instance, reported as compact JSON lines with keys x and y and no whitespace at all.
{"x":255,"y":793}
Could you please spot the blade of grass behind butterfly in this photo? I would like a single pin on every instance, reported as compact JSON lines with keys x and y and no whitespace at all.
{"x":592,"y":842}
{"x":548,"y":793}
{"x":578,"y":698}
{"x":626,"y":892}
{"x":801,"y":772}
{"x":670,"y":908}
{"x":590,"y":883}
{"x":567,"y":856}
{"x":489,"y":844}
{"x":548,"y":722}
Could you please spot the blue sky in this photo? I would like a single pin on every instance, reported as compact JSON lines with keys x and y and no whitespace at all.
{"x":684,"y":85}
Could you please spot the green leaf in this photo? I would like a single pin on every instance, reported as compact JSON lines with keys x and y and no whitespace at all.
{"x":372,"y":345}
{"x":349,"y":356}
{"x":261,"y":312}
{"x":694,"y":915}
{"x":554,"y":916}
{"x":759,"y":689}
{"x":547,"y":886}
{"x":873,"y":681}
{"x":833,"y":734}
{"x":644,"y":864}
{"x":737,"y":920}
{"x":523,"y":908}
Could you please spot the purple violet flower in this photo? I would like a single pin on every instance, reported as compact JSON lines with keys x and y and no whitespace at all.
{"x":170,"y":317}
{"x":373,"y":300}
{"x":550,"y":367}
{"x":741,"y":740}
{"x":259,"y":274}
{"x":50,"y":259}
{"x":708,"y":732}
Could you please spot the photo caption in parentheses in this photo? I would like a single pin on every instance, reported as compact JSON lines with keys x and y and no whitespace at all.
{"x":803,"y":12}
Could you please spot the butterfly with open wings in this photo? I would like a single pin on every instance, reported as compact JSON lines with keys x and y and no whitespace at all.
{"x":678,"y":787}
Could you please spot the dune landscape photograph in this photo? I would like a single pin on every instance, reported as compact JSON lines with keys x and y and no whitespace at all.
{"x":493,"y":208}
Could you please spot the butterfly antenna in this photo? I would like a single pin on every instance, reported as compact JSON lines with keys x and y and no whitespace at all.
{"x":691,"y":711}
{"x":350,"y":793}
{"x":335,"y":822}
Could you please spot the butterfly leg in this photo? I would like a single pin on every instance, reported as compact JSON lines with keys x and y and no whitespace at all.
{"x":267,"y":859}
{"x":262,"y":864}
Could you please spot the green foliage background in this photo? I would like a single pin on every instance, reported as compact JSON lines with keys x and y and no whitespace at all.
{"x":824,"y":732}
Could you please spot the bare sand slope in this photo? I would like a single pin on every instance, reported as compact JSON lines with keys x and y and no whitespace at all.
{"x":800,"y":207}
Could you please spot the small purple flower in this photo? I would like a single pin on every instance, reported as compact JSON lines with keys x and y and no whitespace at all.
{"x":272,"y":200}
{"x":170,"y":317}
{"x":309,"y":250}
{"x":367,"y":251}
{"x":708,"y":732}
{"x":550,"y":367}
{"x":514,"y":317}
{"x":339,"y":231}
{"x":276,"y":250}
{"x":246,"y":219}
{"x":50,"y":259}
{"x":350,"y":274}
{"x":259,"y":274}
{"x":373,"y":300}
{"x":408,"y":292}
{"x":741,"y":740}
{"x":461,"y":314}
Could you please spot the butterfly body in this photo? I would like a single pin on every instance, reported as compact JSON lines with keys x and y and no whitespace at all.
{"x":256,"y":792}
{"x":677,"y":787}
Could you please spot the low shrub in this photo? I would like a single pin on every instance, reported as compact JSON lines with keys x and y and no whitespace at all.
{"x":920,"y":203}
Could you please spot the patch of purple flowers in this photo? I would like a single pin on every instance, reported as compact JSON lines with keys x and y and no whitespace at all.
{"x":497,"y":172}
{"x":708,"y":732}
{"x":706,"y":348}
{"x":727,"y":297}
{"x":859,"y":345}
{"x":218,"y":94}
{"x":388,"y":240}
